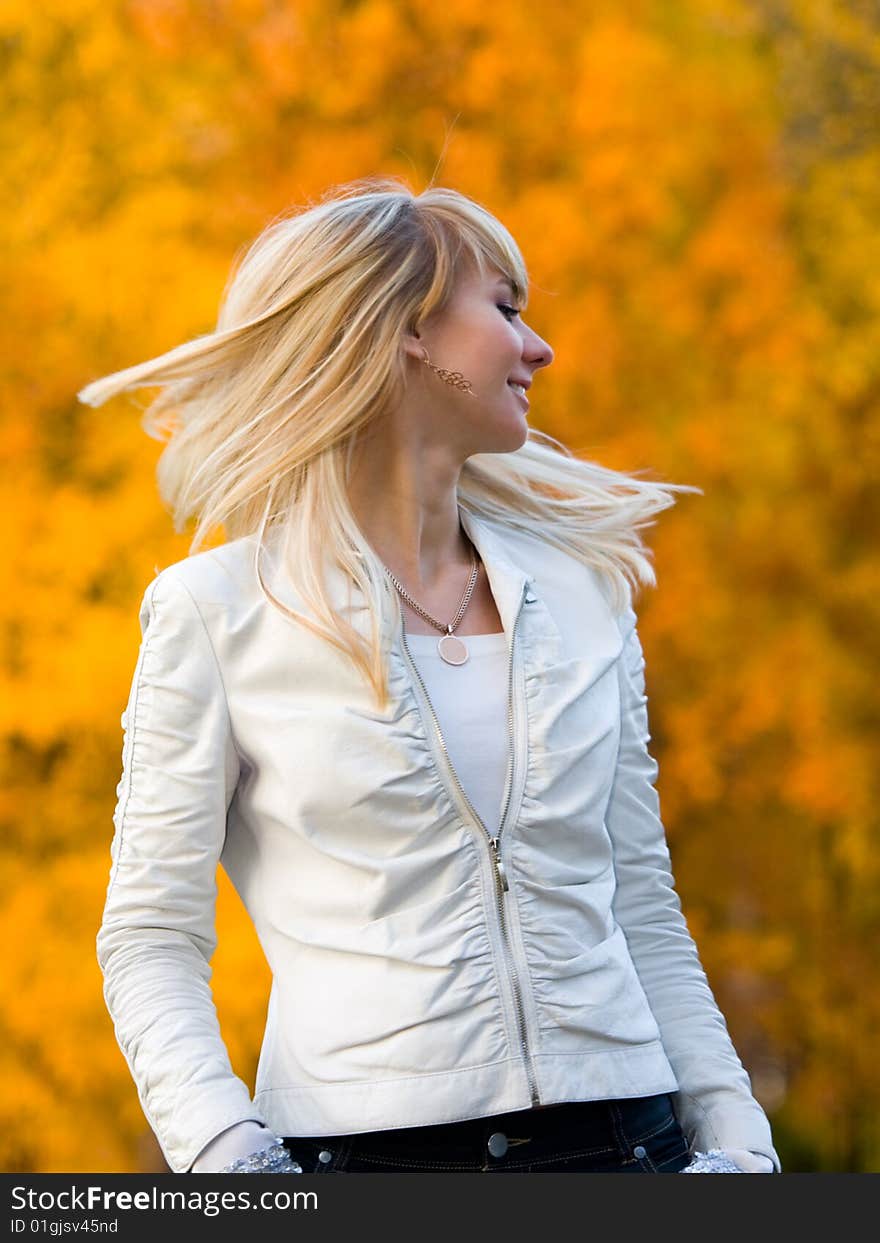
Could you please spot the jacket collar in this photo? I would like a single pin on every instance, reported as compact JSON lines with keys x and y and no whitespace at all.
{"x":507,"y":578}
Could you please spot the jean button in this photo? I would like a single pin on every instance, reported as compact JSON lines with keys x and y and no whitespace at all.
{"x":639,"y":1152}
{"x":498,"y":1144}
{"x":325,"y":1156}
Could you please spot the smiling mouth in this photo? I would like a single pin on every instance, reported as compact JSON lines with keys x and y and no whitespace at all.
{"x":519,"y":390}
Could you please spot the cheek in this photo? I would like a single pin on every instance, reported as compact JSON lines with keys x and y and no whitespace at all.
{"x":505,"y":349}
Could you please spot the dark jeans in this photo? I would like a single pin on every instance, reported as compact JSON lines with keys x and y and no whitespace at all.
{"x":636,"y":1136}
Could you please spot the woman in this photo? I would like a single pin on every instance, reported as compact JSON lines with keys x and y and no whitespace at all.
{"x":404,"y":706}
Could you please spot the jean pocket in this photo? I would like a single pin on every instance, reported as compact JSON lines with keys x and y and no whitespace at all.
{"x":318,"y":1156}
{"x":663,"y":1151}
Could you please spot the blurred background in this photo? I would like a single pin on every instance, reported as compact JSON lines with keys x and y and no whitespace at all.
{"x":695,"y":186}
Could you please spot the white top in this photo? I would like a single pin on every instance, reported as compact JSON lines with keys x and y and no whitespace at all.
{"x":471,"y":705}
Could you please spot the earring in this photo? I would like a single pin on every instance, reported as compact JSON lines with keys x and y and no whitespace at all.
{"x":454,"y":378}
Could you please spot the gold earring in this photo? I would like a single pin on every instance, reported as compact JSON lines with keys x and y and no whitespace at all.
{"x":455,"y":378}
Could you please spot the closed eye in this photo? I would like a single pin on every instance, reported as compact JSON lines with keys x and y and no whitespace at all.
{"x":507,"y":311}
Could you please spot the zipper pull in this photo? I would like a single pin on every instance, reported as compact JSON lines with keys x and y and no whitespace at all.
{"x":502,"y":875}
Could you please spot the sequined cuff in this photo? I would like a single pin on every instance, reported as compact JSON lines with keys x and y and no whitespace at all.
{"x":273,"y":1160}
{"x":715,"y":1161}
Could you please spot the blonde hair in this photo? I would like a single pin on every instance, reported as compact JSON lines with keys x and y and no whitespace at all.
{"x":261,"y":415}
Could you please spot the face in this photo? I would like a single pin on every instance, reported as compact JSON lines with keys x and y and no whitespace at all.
{"x":482,"y":335}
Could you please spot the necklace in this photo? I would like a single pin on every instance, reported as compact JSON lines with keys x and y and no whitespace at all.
{"x":452,"y":649}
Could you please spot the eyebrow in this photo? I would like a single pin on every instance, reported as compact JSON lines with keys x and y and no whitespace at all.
{"x":506,"y":281}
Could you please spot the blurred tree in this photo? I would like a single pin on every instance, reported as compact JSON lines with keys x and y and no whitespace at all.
{"x":694,"y":187}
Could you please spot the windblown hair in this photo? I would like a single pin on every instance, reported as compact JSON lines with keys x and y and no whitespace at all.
{"x":260,"y":417}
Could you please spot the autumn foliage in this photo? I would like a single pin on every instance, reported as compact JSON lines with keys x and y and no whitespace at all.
{"x":695,"y":188}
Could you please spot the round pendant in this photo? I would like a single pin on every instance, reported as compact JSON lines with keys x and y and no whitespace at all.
{"x":453,"y":651}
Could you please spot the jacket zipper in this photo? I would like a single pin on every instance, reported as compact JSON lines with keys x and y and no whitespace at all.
{"x":501,"y":883}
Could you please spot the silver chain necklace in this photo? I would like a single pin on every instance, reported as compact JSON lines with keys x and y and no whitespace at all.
{"x":452,"y":649}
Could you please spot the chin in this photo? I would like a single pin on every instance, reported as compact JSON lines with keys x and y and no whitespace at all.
{"x":508,"y":444}
{"x":504,"y":437}
{"x":518,"y":437}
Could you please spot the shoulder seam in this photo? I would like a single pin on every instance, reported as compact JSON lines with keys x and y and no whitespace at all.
{"x":179,"y":581}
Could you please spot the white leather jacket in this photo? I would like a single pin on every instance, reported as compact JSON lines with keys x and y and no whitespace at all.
{"x":423,"y":971}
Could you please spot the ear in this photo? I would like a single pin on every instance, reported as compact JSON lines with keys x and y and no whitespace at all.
{"x":414,"y":346}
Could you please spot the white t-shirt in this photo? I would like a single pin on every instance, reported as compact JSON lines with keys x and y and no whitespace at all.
{"x":470,"y":702}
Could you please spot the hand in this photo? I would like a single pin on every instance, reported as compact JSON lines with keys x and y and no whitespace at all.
{"x":750,"y":1162}
{"x":239,"y":1140}
{"x":729,"y":1161}
{"x":715,"y":1161}
{"x":272,"y":1160}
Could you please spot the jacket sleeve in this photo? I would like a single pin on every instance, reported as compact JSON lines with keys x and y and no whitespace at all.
{"x":156,"y":938}
{"x":714,"y":1103}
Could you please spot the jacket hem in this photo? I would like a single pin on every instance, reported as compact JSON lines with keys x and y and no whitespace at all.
{"x":604,"y":1074}
{"x":456,"y":1095}
{"x":388,"y":1104}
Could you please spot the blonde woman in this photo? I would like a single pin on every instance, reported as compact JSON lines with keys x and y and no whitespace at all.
{"x":404,"y":707}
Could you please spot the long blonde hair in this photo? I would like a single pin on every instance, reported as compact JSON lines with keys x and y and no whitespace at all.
{"x":260,"y":417}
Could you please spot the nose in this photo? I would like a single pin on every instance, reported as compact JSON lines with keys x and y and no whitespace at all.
{"x":536,"y":352}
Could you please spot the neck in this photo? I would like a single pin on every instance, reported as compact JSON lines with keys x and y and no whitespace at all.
{"x":406,"y":505}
